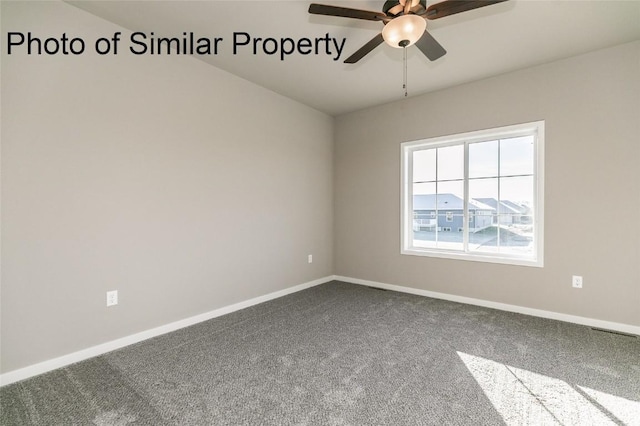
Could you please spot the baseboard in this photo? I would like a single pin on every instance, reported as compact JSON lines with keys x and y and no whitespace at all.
{"x":63,"y":361}
{"x":608,"y":325}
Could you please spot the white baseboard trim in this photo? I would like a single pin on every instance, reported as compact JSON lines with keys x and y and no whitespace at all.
{"x":63,"y":361}
{"x":591,"y":322}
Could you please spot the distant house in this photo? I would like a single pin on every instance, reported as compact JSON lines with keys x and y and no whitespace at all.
{"x":509,"y":212}
{"x":448,"y":214}
{"x":525,"y":211}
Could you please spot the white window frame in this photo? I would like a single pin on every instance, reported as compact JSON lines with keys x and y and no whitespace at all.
{"x":536,"y":129}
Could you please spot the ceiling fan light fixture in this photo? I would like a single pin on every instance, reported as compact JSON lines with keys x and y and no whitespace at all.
{"x":404,"y":30}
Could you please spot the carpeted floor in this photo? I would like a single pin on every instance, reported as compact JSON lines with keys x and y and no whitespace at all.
{"x":341,"y":354}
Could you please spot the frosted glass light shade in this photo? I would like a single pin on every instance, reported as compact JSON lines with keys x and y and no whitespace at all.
{"x":404,"y":30}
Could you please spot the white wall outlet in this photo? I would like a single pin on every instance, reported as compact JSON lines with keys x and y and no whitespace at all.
{"x":310,"y":258}
{"x":112,"y":298}
{"x":576,"y":281}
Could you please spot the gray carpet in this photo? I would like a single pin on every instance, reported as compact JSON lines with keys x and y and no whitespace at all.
{"x":341,"y":354}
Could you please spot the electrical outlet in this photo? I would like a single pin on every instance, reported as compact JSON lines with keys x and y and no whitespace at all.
{"x":576,"y":281}
{"x":310,"y":258}
{"x":112,"y":298}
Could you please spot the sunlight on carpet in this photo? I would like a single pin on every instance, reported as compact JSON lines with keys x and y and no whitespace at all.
{"x":623,"y":409}
{"x":524,"y":397}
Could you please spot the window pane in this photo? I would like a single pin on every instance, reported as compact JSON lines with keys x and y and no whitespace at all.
{"x":424,"y":188}
{"x":516,"y":224}
{"x":451,"y":162}
{"x":483,"y":209}
{"x":450,"y":194}
{"x":485,"y":239}
{"x":424,"y":165}
{"x":424,"y":215}
{"x":516,"y":156}
{"x":448,"y":236}
{"x":516,"y":190}
{"x":479,"y":222}
{"x":483,"y":196}
{"x":425,"y":238}
{"x":483,"y":159}
{"x":516,"y":239}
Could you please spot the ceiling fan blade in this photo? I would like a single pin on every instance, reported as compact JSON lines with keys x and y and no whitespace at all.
{"x":345,"y":12}
{"x":430,"y":47}
{"x":364,"y":50}
{"x":451,"y":7}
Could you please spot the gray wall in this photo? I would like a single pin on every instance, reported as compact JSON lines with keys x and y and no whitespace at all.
{"x":182,"y":186}
{"x":591,"y":105}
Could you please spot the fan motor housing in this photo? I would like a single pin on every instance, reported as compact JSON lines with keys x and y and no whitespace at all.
{"x":390,"y":4}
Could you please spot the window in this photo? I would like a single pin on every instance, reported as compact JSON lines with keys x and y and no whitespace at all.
{"x":488,"y":184}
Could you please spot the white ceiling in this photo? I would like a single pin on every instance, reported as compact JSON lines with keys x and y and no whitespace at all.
{"x":480,"y":43}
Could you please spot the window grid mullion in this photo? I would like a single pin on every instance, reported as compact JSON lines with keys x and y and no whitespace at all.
{"x":465,"y":204}
{"x":499,"y":199}
{"x":409,"y":188}
{"x":536,"y":176}
{"x":436,"y":200}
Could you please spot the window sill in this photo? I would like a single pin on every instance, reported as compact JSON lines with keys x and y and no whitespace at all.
{"x":475,"y":257}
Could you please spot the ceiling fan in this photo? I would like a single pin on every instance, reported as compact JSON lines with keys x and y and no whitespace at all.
{"x":405,"y":23}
